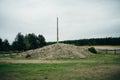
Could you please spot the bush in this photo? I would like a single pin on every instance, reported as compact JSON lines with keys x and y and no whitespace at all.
{"x":28,"y":56}
{"x":92,"y":49}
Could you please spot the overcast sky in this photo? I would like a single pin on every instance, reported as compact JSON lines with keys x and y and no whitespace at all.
{"x":78,"y":19}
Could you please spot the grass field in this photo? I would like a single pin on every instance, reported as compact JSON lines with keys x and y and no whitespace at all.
{"x":96,"y":67}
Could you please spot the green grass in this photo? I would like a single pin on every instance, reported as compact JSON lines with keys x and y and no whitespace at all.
{"x":97,"y":67}
{"x":10,"y":55}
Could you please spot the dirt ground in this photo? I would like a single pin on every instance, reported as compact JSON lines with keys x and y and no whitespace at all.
{"x":41,"y":61}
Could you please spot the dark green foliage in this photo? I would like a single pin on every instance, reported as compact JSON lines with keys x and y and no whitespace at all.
{"x":28,"y":56}
{"x":94,"y":41}
{"x":4,"y":45}
{"x":32,"y":41}
{"x":27,"y":42}
{"x":92,"y":49}
{"x":1,"y":44}
{"x":19,"y":44}
{"x":22,"y":43}
{"x":41,"y":40}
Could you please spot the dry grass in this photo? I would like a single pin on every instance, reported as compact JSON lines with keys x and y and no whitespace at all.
{"x":101,"y":72}
{"x":103,"y":47}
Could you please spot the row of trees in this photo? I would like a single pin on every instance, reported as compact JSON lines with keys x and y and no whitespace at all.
{"x":31,"y":41}
{"x":95,"y":41}
{"x":21,"y":42}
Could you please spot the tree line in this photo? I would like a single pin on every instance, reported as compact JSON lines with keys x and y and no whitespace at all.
{"x":32,"y":41}
{"x":22,"y":43}
{"x":95,"y":41}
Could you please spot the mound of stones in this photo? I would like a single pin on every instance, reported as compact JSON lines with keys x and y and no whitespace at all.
{"x":55,"y":51}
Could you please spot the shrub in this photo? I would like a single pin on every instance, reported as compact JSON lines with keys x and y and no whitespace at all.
{"x":92,"y":49}
{"x":28,"y":56}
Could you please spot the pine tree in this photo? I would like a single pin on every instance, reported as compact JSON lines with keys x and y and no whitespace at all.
{"x":6,"y":45}
{"x":1,"y":45}
{"x":19,"y":44}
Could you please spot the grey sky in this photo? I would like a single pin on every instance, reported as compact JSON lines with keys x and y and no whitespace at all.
{"x":77,"y":18}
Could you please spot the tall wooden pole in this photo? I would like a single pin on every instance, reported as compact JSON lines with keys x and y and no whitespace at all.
{"x":57,"y":32}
